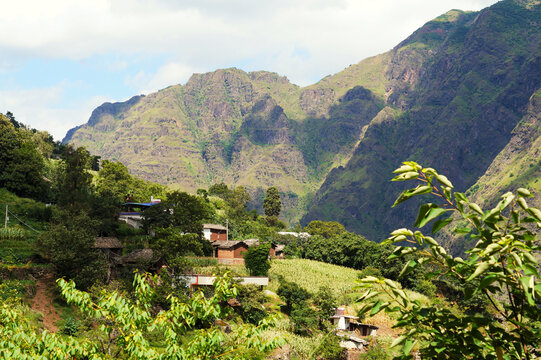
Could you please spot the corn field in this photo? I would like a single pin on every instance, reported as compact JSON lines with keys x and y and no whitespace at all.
{"x":311,"y":275}
{"x":12,"y":233}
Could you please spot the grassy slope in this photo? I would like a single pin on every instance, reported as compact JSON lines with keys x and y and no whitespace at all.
{"x":17,"y":252}
{"x":311,"y":274}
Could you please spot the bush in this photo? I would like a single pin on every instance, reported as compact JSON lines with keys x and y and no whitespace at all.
{"x":370,"y":271}
{"x":329,"y":348}
{"x":252,"y":309}
{"x":256,"y":259}
{"x":305,"y":319}
{"x":71,"y":326}
{"x":292,"y":294}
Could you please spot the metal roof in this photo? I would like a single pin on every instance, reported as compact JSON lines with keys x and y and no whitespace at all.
{"x":142,"y":204}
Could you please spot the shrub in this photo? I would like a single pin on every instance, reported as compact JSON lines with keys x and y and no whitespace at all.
{"x":305,"y":319}
{"x":71,"y":326}
{"x":329,"y":348}
{"x":291,"y":293}
{"x":256,"y":259}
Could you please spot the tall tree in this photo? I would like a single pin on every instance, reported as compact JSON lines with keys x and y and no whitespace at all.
{"x":75,"y":180}
{"x":114,"y":180}
{"x":272,"y":202}
{"x":68,"y":245}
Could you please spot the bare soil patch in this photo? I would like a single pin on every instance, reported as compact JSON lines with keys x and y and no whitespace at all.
{"x":43,"y":302}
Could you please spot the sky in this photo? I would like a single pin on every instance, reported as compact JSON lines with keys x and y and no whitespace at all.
{"x":60,"y":59}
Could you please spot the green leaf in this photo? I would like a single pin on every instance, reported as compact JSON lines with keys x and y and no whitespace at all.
{"x":443,"y":179}
{"x":403,"y":169}
{"x":399,"y":340}
{"x":536,"y":213}
{"x":406,"y":176}
{"x":405,"y":195}
{"x":476,"y":208}
{"x":481,"y":268}
{"x":523,"y":204}
{"x":421,"y":189}
{"x":427,"y":212}
{"x":402,"y":231}
{"x":524,"y":192}
{"x":527,"y":283}
{"x":459,"y":230}
{"x":438,"y":224}
{"x":408,"y":346}
{"x":409,"y":267}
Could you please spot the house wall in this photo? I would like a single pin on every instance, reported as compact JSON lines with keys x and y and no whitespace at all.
{"x":217,"y":235}
{"x":239,"y":252}
{"x":226,"y":253}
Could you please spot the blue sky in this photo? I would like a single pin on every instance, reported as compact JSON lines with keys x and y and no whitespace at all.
{"x":60,"y":59}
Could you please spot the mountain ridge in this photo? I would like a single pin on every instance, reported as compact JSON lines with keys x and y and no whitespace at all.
{"x":330,"y":147}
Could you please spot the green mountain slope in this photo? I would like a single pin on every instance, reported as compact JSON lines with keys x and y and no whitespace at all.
{"x":448,"y":96}
{"x":517,"y":165}
{"x":253,"y":129}
{"x":471,"y":78}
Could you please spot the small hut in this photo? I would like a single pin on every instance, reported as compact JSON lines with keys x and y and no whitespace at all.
{"x":109,"y":244}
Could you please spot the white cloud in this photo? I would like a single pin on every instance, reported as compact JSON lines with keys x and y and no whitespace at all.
{"x":302,"y":39}
{"x":169,"y":74}
{"x":41,"y":108}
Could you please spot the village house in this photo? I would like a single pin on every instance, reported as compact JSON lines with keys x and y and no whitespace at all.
{"x":230,"y":252}
{"x":111,"y":246}
{"x":344,"y":322}
{"x":214,"y":232}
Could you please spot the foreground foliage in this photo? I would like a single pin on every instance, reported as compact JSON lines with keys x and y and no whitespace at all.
{"x":501,"y":265}
{"x":124,"y":326}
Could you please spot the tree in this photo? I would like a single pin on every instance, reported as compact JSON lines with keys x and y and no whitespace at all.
{"x":292,"y":294}
{"x":69,"y":246}
{"x":181,"y":211}
{"x":21,"y":165}
{"x":237,"y":202}
{"x":256,"y":259}
{"x":114,"y":180}
{"x":128,"y":327}
{"x":501,"y":265}
{"x":74,"y":180}
{"x":272,"y":203}
{"x":327,"y":229}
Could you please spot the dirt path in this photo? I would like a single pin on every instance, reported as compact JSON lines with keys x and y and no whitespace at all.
{"x":43,"y":302}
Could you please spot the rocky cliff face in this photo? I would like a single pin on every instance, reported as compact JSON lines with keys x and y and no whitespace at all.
{"x":241,"y":128}
{"x":449,"y":96}
{"x":517,"y":165}
{"x":453,"y":109}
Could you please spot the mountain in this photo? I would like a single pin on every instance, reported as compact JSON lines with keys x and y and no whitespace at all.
{"x":517,"y":165}
{"x":252,"y":129}
{"x":471,"y":78}
{"x":448,"y":96}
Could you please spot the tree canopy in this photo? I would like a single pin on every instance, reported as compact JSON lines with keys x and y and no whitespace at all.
{"x":272,"y":202}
